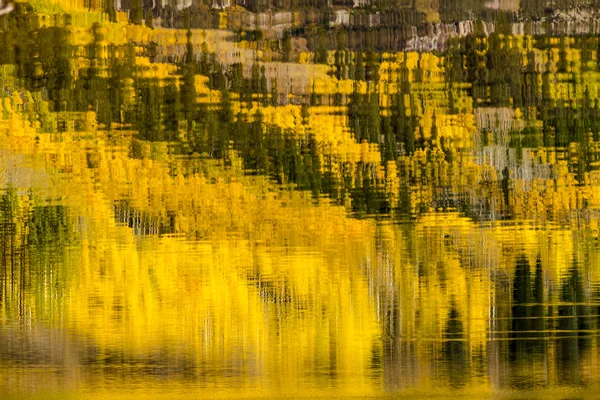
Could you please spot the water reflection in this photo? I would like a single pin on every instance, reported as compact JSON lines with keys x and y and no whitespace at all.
{"x":180,"y":213}
{"x":379,"y":315}
{"x":455,"y":351}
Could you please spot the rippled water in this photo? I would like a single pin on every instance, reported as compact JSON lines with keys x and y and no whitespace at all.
{"x":219,"y":213}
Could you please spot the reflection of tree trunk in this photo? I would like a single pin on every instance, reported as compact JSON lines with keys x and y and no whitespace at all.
{"x":399,"y":346}
{"x":333,"y":334}
{"x":400,"y":364}
{"x":499,"y":326}
{"x":539,"y":325}
{"x":29,"y":239}
{"x":399,"y":353}
{"x":14,"y":275}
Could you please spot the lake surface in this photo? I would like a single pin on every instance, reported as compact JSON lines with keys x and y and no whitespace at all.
{"x":193,"y":210}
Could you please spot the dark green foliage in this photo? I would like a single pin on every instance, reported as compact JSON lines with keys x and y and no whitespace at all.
{"x":49,"y":224}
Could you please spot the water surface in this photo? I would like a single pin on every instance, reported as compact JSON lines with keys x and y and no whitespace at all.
{"x":192,"y":211}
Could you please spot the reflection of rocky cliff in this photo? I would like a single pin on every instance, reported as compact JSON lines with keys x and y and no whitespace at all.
{"x":381,"y":24}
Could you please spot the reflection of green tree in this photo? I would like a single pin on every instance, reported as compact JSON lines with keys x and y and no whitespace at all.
{"x":363,"y":115}
{"x":404,"y":120}
{"x":453,"y":62}
{"x":109,"y":9}
{"x":43,"y":63}
{"x":170,"y":110}
{"x":120,"y":69}
{"x":451,"y":10}
{"x":367,"y":197}
{"x":15,"y":275}
{"x":389,"y":145}
{"x":47,"y":225}
{"x":573,"y":323}
{"x":33,"y":277}
{"x":136,"y":12}
{"x":455,"y":350}
{"x":91,"y":88}
{"x":539,"y":324}
{"x":521,"y":309}
{"x":528,"y":312}
{"x":188,"y":89}
{"x":147,"y":118}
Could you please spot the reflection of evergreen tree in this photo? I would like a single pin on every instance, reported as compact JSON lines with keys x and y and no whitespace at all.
{"x":538,"y":311}
{"x":389,"y":145}
{"x":453,"y":62}
{"x":42,"y":64}
{"x":587,"y":47}
{"x":528,"y":311}
{"x":235,"y":76}
{"x":340,"y":64}
{"x":147,"y":116}
{"x":170,"y":110}
{"x":536,"y":9}
{"x":263,"y":87}
{"x":367,"y":197}
{"x":113,"y":109}
{"x":404,"y":123}
{"x":455,"y":350}
{"x":531,"y":89}
{"x":521,"y":309}
{"x":321,"y":53}
{"x":451,"y":10}
{"x":363,"y":115}
{"x":372,"y":66}
{"x":188,"y":89}
{"x":359,"y":71}
{"x":109,"y":9}
{"x":58,"y":76}
{"x":136,"y":13}
{"x":572,"y":319}
{"x":286,"y":46}
{"x":254,"y":149}
{"x":93,"y":85}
